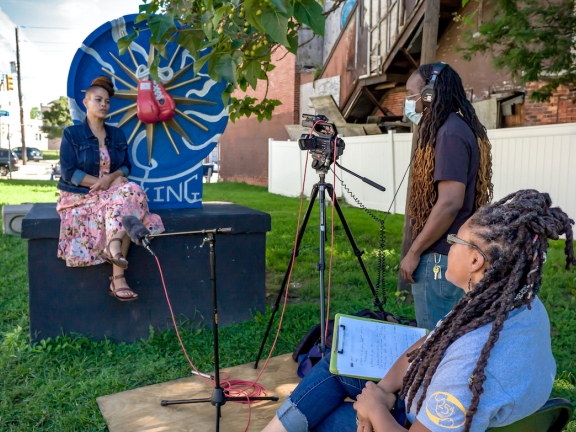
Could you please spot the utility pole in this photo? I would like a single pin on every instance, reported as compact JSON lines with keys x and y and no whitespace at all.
{"x":22,"y":128}
{"x":9,"y":135}
{"x":428,"y":55}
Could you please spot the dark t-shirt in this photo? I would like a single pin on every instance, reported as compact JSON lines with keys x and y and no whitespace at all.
{"x":457,"y":157}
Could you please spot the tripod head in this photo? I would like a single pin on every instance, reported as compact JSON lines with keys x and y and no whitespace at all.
{"x":322,"y":142}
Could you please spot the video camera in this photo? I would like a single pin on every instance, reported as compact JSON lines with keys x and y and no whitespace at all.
{"x":322,"y":142}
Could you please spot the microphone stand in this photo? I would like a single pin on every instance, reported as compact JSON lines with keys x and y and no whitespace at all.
{"x":219,"y":397}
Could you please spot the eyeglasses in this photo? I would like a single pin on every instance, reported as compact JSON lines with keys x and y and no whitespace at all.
{"x":415,"y":97}
{"x":452,"y":239}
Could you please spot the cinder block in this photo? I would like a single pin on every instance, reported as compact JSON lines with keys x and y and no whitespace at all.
{"x":12,"y":216}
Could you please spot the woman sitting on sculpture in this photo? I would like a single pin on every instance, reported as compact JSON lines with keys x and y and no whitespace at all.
{"x":488,"y":363}
{"x":96,"y":194}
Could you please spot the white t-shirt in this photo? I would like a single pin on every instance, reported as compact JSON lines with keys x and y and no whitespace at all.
{"x":519,"y":375}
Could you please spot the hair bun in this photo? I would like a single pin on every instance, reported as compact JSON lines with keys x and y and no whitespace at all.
{"x":104,"y":82}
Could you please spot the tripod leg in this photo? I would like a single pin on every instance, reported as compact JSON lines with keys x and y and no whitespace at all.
{"x":218,"y":415}
{"x":276,"y":305}
{"x":321,"y":264}
{"x":357,"y":251}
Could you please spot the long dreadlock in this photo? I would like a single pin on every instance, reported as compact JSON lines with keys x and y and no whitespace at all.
{"x":516,"y":231}
{"x":450,"y":97}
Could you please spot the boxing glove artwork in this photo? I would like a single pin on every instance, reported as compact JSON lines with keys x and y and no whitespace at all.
{"x":154,"y":104}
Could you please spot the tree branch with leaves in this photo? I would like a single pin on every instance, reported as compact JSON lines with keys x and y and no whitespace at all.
{"x":241,"y":36}
{"x":57,"y":118}
{"x":534,"y":40}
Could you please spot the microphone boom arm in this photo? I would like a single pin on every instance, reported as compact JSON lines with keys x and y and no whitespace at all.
{"x":364,"y":179}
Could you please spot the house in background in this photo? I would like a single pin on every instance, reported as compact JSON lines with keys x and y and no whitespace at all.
{"x":11,"y":124}
{"x":369,"y":50}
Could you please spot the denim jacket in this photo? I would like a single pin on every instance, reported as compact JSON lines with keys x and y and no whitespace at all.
{"x":80,"y":155}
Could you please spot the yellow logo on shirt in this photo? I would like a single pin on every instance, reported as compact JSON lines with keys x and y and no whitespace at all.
{"x":445,"y":410}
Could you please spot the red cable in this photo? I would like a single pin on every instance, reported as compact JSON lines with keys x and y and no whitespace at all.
{"x":235,"y":388}
{"x":289,"y":274}
{"x":242,"y":387}
{"x":331,"y":246}
{"x":176,"y":326}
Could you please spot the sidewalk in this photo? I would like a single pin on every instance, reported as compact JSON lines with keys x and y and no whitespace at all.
{"x":33,"y":171}
{"x":41,"y":171}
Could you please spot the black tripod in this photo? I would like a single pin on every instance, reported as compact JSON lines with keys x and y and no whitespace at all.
{"x":320,"y":188}
{"x":218,"y":397}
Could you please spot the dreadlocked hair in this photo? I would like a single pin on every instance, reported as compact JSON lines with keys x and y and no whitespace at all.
{"x":450,"y":97}
{"x":516,"y":231}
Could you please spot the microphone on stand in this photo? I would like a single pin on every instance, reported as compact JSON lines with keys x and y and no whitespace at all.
{"x":137,"y":232}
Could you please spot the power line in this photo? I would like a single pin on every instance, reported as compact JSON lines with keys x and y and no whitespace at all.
{"x":52,"y":28}
{"x":54,"y":43}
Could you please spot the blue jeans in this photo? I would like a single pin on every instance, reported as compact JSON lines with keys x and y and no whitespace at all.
{"x":433,"y":298}
{"x":318,"y":405}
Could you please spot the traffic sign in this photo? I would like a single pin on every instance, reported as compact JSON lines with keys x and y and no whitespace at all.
{"x":4,"y":113}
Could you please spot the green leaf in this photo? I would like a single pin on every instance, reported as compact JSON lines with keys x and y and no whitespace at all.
{"x":154,"y":69}
{"x":191,"y":40}
{"x":252,"y":72}
{"x":218,"y":14}
{"x":293,"y":41}
{"x":124,"y":42}
{"x":283,"y":6}
{"x":145,"y":8}
{"x":225,"y":98}
{"x":159,"y":26}
{"x":160,"y":49}
{"x":208,"y":29}
{"x":141,"y":17}
{"x":198,"y":64}
{"x":310,"y":12}
{"x":464,"y":3}
{"x":275,"y":25}
{"x":226,"y":68}
{"x":250,"y":9}
{"x":237,"y":43}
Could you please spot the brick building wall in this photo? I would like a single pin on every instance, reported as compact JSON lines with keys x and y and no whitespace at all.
{"x":560,"y":108}
{"x":244,"y":144}
{"x":394,"y":101}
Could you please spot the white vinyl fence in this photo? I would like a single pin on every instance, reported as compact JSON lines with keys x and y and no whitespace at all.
{"x":538,"y":157}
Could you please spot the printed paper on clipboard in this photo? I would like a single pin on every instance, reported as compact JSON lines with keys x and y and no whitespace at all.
{"x":366,"y":348}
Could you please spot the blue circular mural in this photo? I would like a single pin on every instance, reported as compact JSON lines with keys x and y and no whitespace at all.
{"x":346,"y":9}
{"x":171,"y":125}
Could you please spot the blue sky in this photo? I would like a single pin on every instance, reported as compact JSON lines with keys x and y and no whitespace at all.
{"x":46,"y":53}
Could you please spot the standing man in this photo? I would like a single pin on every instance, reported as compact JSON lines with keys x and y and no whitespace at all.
{"x":451,"y":179}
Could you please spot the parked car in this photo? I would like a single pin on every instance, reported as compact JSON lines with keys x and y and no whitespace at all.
{"x":7,"y":164}
{"x":32,"y":153}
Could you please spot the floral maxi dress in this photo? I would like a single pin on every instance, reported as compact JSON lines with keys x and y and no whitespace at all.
{"x":89,"y":221}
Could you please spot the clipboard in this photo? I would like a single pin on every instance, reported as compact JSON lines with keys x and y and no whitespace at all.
{"x":346,"y":337}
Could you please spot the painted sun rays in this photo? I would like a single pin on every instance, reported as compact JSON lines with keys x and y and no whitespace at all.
{"x":131,"y":94}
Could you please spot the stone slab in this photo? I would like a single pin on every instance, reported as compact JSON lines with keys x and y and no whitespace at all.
{"x":65,"y":299}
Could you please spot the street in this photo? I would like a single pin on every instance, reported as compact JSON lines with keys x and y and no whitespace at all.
{"x":41,"y":171}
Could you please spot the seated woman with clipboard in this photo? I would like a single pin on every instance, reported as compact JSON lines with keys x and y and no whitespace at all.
{"x":487,"y":364}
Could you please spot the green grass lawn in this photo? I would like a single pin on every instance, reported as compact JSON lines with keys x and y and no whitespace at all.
{"x":51,"y":154}
{"x":54,"y":384}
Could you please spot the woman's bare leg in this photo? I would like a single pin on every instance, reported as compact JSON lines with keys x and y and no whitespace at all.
{"x":116,"y":247}
{"x":125,"y":245}
{"x":121,"y":283}
{"x":274,"y":426}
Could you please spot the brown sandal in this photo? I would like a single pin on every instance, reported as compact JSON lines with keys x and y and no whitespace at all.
{"x":118,"y":259}
{"x":114,"y":291}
